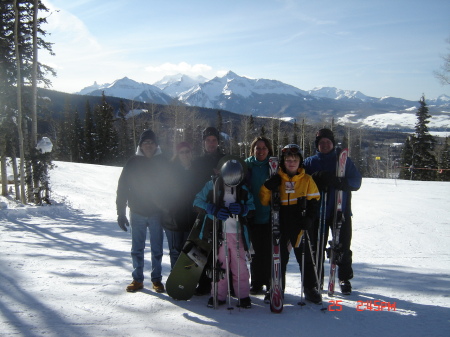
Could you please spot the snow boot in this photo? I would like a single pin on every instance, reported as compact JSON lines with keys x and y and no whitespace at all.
{"x":312,"y":295}
{"x":158,"y":287}
{"x":134,"y":286}
{"x":245,"y":303}
{"x":211,"y":302}
{"x":346,"y":287}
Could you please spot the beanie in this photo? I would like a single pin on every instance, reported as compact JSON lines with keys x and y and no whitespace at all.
{"x":148,"y":134}
{"x":183,"y":144}
{"x":210,"y":131}
{"x":325,"y":133}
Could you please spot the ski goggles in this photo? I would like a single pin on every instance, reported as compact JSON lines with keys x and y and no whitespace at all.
{"x":292,"y":148}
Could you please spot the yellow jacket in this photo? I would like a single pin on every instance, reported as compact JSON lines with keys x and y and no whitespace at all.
{"x":303,"y":186}
{"x":292,"y":188}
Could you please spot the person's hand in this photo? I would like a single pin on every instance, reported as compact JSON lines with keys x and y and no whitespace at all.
{"x":237,"y":208}
{"x":273,"y":183}
{"x":323,"y":179}
{"x":223,"y":214}
{"x":123,"y":222}
{"x":306,"y":223}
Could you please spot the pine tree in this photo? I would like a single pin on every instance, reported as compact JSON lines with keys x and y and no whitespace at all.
{"x":406,"y":160}
{"x":90,"y":137}
{"x":107,"y":147}
{"x":423,"y":160}
{"x":444,"y":162}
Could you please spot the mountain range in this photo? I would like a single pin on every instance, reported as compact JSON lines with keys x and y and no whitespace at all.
{"x":272,"y":98}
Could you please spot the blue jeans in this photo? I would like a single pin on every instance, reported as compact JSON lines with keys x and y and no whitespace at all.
{"x":139,"y":224}
{"x":176,"y":241}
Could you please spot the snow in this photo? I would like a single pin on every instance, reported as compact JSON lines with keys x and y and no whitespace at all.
{"x":64,"y":269}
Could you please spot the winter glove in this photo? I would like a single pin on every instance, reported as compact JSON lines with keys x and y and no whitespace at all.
{"x":273,"y":183}
{"x":306,"y":223}
{"x":323,"y":179}
{"x":340,"y":183}
{"x":223,"y":214}
{"x":238,"y":209}
{"x":123,"y":222}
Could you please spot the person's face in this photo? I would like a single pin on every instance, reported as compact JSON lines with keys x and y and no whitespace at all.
{"x":148,"y":148}
{"x":292,"y":164}
{"x":261,"y":151}
{"x":211,"y":144}
{"x":185,"y":155}
{"x":325,"y":145}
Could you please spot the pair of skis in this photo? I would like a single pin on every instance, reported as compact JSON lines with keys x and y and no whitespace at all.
{"x":276,"y":287}
{"x":338,"y":220}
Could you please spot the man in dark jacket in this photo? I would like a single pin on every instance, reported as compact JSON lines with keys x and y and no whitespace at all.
{"x":146,"y":186}
{"x":203,"y":168}
{"x":322,"y":167}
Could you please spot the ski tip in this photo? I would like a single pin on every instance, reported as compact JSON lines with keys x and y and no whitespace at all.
{"x":301,"y":303}
{"x":324,"y":309}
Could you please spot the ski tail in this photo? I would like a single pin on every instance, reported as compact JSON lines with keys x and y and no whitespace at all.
{"x":276,"y":288}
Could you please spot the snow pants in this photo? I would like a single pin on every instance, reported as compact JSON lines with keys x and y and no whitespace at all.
{"x":238,"y":268}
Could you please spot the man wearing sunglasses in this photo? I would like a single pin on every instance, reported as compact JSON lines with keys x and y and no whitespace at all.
{"x":322,"y":167}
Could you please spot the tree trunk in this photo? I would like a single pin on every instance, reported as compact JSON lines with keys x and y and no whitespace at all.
{"x":23,"y":198}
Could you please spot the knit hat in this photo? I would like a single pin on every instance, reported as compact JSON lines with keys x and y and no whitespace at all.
{"x":148,"y":134}
{"x":183,"y":144}
{"x":211,"y":131}
{"x":325,"y":133}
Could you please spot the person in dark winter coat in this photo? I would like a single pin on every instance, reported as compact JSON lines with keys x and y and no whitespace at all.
{"x":147,"y":186}
{"x":203,"y":169}
{"x":299,"y":197}
{"x":233,"y":206}
{"x":322,"y":167}
{"x":259,"y":225}
{"x":184,"y":213}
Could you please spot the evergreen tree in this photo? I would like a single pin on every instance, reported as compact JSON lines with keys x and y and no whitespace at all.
{"x":444,"y":162}
{"x":107,"y":147}
{"x":423,"y":160}
{"x":90,"y":137}
{"x":406,"y":160}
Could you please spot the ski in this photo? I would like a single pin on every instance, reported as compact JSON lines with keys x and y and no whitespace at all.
{"x":276,"y":288}
{"x":338,"y":219}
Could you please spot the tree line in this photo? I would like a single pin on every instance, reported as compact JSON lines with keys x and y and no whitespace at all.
{"x":102,"y":134}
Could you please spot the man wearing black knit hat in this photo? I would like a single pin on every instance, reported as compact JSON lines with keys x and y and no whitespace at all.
{"x":322,"y":167}
{"x":203,"y":168}
{"x":147,"y":186}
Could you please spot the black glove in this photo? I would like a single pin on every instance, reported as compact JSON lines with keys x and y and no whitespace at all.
{"x":273,"y":183}
{"x":323,"y":179}
{"x":123,"y":222}
{"x":340,"y":183}
{"x":306,"y":223}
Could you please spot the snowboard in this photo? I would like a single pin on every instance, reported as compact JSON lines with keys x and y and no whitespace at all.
{"x":184,"y":277}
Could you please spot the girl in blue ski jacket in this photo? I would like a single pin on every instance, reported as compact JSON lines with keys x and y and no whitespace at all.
{"x":232,"y":206}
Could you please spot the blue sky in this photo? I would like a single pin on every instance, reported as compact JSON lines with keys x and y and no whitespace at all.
{"x":381,"y":48}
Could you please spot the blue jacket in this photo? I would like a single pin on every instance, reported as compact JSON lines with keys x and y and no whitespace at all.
{"x":204,"y":197}
{"x":327,"y":162}
{"x":258,"y":174}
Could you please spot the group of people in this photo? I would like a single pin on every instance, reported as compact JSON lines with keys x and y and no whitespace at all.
{"x":155,"y":188}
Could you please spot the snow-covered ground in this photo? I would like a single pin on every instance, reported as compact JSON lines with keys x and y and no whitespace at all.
{"x":64,"y":269}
